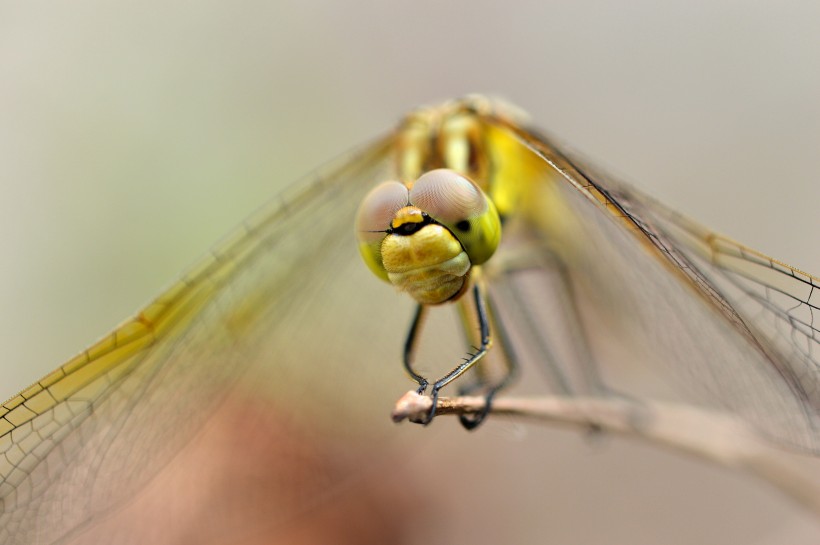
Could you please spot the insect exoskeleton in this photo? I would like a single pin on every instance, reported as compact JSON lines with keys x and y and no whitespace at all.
{"x":424,"y":237}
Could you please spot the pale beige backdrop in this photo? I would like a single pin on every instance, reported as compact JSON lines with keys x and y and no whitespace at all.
{"x":134,"y":134}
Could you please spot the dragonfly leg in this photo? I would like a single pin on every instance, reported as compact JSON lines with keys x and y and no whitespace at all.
{"x":472,"y":421}
{"x":539,"y":279}
{"x":550,"y":276}
{"x":410,"y":348}
{"x":487,"y":316}
{"x":589,"y":364}
{"x":469,"y":361}
{"x":565,"y":354}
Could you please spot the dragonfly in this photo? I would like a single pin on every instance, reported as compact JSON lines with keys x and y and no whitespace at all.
{"x":573,"y":273}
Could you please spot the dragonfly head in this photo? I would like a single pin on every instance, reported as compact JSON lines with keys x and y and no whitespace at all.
{"x":424,"y":237}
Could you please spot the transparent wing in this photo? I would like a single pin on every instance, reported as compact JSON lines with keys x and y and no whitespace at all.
{"x":86,"y":437}
{"x":284,"y":314}
{"x":711,"y":321}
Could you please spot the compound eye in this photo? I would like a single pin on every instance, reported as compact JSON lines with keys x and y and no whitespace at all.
{"x":448,"y":197}
{"x":378,"y":209}
{"x":458,"y":204}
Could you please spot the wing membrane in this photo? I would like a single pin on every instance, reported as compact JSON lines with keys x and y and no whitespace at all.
{"x":87,"y":436}
{"x":733,"y":327}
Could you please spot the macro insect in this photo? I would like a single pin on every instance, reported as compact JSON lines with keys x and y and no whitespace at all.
{"x":550,"y":262}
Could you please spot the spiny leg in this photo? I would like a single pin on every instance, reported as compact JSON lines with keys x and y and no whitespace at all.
{"x":410,"y":348}
{"x":590,"y":367}
{"x":470,"y":361}
{"x":566,"y":300}
{"x":511,"y":275}
{"x":482,"y":314}
{"x":470,"y":422}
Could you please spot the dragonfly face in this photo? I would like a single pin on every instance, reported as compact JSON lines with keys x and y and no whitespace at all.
{"x":425,"y":238}
{"x":426,"y":235}
{"x":438,"y":214}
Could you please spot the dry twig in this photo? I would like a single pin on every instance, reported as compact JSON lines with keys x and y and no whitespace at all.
{"x":712,"y":436}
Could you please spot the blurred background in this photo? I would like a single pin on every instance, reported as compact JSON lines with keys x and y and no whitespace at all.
{"x":133,"y":135}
